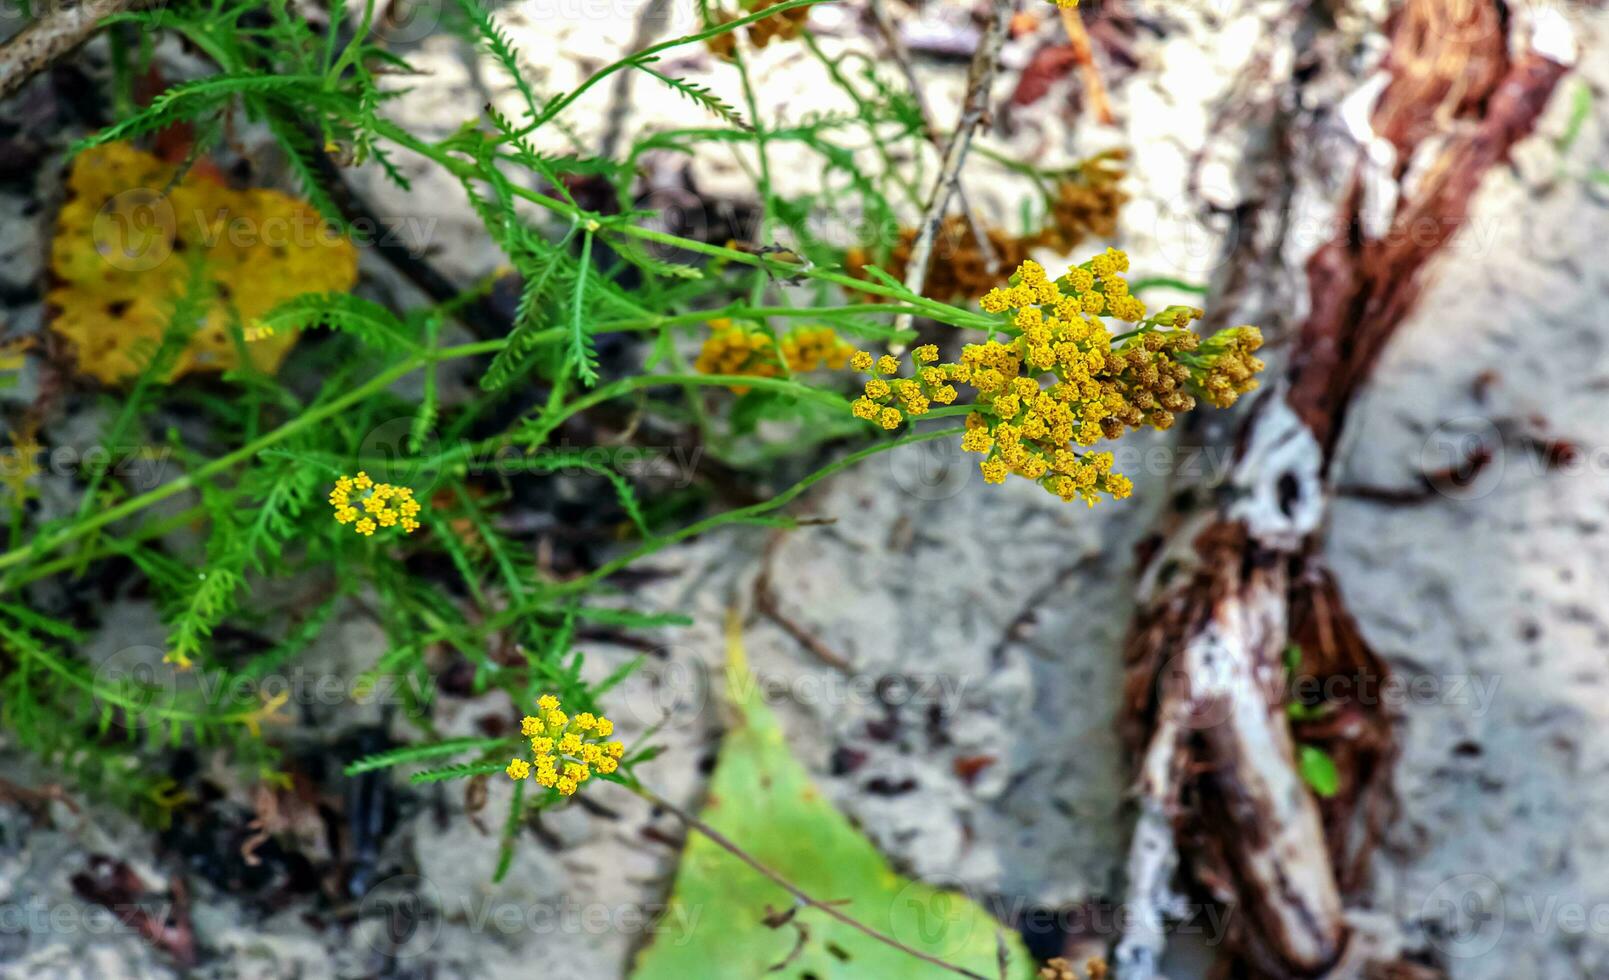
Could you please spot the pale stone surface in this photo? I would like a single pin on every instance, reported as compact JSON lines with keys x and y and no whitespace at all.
{"x":1488,"y":594}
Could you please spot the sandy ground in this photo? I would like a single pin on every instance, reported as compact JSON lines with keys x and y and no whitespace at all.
{"x":969,"y":729}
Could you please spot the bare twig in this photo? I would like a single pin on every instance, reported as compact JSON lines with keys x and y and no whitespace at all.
{"x":973,"y":108}
{"x":767,"y":605}
{"x":1084,"y":58}
{"x":827,"y":908}
{"x":51,"y":36}
{"x":36,"y":801}
{"x":790,"y":917}
{"x":902,"y":58}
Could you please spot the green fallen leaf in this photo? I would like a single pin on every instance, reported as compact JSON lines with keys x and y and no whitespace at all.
{"x":1318,"y":770}
{"x":1580,"y":112}
{"x":762,"y":799}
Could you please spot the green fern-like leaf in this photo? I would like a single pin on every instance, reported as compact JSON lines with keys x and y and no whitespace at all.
{"x":511,"y":362}
{"x":212,"y":599}
{"x":583,"y":359}
{"x":698,"y":93}
{"x":192,"y":99}
{"x":579,"y":461}
{"x":463,"y":771}
{"x":418,"y":753}
{"x":495,"y":40}
{"x":369,"y":322}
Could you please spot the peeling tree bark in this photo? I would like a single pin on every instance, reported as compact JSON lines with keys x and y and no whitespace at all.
{"x":1238,"y":574}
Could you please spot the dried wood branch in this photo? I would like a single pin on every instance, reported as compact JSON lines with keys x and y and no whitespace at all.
{"x":768,"y":605}
{"x":902,"y":58}
{"x":974,"y":107}
{"x":57,"y":32}
{"x":1084,"y":57}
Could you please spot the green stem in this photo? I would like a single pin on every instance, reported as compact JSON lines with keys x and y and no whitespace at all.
{"x":549,"y":421}
{"x":559,"y":105}
{"x":318,"y":413}
{"x":932,"y":309}
{"x":750,"y":512}
{"x":112,"y":696}
{"x":314,"y":415}
{"x":890,"y":169}
{"x":510,"y":616}
{"x":1159,"y":282}
{"x":115,"y":546}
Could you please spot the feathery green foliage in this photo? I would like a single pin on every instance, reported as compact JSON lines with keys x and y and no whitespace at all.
{"x":498,"y":419}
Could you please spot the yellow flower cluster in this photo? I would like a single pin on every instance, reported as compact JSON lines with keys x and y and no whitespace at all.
{"x":785,"y":26}
{"x":19,"y":465}
{"x":567,"y":750}
{"x":125,"y":243}
{"x":735,"y":349}
{"x":1059,"y":380}
{"x":1231,"y":370}
{"x":809,"y":348}
{"x":377,"y":505}
{"x":916,"y":395}
{"x":1086,"y":202}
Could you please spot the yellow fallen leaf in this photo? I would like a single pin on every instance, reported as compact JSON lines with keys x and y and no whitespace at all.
{"x":124,"y":247}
